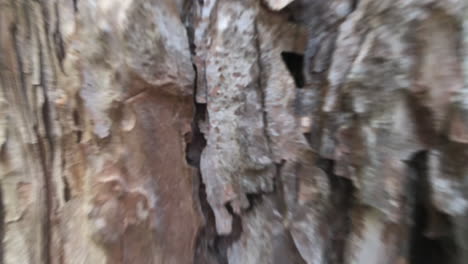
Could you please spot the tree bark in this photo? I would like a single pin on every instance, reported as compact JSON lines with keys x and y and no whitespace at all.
{"x":222,"y":131}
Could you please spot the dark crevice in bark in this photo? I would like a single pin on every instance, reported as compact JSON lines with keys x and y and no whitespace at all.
{"x":354,"y":4}
{"x":210,"y":247}
{"x":47,"y":122}
{"x":426,"y":120}
{"x":75,"y":6}
{"x":197,"y":142}
{"x":338,"y":216}
{"x":66,"y":190}
{"x":59,"y":45}
{"x":295,"y":64}
{"x":261,"y":88}
{"x":279,"y":190}
{"x":207,"y":249}
{"x":46,"y":157}
{"x":45,"y":107}
{"x":46,"y":229}
{"x":224,"y":242}
{"x":432,"y":237}
{"x":254,"y":199}
{"x":308,"y":137}
{"x":77,"y":123}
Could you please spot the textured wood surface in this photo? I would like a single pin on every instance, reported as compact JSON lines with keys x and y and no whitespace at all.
{"x":240,"y":132}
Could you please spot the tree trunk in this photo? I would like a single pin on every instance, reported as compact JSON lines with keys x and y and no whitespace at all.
{"x":234,"y":131}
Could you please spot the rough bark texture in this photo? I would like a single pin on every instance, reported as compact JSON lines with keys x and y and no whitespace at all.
{"x":234,"y":131}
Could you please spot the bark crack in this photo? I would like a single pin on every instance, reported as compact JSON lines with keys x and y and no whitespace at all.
{"x":45,"y":157}
{"x":261,"y":88}
{"x":58,"y":40}
{"x":431,"y":231}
